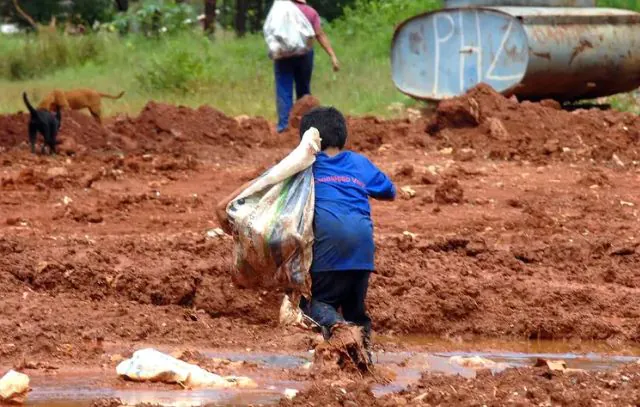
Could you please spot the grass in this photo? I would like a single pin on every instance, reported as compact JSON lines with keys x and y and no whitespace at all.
{"x":233,"y":75}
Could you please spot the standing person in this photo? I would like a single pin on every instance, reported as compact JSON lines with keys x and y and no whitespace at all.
{"x":298,"y":69}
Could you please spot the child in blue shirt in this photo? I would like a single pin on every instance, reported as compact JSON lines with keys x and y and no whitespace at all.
{"x":343,"y":250}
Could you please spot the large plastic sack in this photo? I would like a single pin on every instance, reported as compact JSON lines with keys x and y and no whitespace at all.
{"x":153,"y":366}
{"x":287,"y":31}
{"x":273,"y":223}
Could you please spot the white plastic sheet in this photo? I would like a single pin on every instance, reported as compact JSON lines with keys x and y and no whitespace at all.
{"x":154,"y":366}
{"x":287,"y":30}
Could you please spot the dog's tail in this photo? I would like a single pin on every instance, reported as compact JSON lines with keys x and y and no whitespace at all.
{"x":106,"y":95}
{"x":32,"y":110}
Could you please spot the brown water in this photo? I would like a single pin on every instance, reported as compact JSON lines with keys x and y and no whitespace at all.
{"x":77,"y":390}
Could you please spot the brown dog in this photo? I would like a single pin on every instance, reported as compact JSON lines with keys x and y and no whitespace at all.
{"x":77,"y":99}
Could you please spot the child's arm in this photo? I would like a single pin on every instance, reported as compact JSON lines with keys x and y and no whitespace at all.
{"x":379,"y":186}
{"x":221,"y":208}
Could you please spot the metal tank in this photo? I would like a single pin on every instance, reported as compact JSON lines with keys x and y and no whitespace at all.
{"x":564,"y":53}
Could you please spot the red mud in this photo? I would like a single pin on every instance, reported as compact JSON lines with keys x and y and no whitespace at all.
{"x":504,"y":129}
{"x":300,"y":108}
{"x":521,"y":387}
{"x":106,"y":244}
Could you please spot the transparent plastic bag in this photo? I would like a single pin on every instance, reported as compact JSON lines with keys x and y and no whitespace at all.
{"x":273,"y":223}
{"x":287,"y":30}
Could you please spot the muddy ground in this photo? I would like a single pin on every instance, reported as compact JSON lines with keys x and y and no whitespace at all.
{"x":520,"y":221}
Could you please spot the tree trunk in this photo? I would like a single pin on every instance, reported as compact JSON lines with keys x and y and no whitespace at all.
{"x":122,"y":5}
{"x":241,"y":17}
{"x":257,"y":17}
{"x":210,"y":16}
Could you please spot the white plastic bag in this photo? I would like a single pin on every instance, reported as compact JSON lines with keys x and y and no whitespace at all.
{"x":14,"y":387}
{"x":273,"y":223}
{"x":151,"y":365}
{"x":287,"y":30}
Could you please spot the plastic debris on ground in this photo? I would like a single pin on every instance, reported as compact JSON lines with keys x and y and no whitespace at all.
{"x":154,"y":366}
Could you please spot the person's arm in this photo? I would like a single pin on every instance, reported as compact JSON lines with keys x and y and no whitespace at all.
{"x":378,"y":185}
{"x":323,"y":39}
{"x":221,"y":208}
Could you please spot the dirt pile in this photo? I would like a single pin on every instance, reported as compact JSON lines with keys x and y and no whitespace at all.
{"x":449,"y":192}
{"x":345,"y":350}
{"x":527,"y":386}
{"x":503,"y":128}
{"x":300,"y":108}
{"x":13,"y":130}
{"x":369,"y":134}
{"x":114,"y":247}
{"x":334,"y":395}
{"x":161,"y":127}
{"x":521,"y":386}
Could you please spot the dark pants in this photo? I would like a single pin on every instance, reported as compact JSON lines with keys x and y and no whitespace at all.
{"x":289,"y":70}
{"x":347,"y":290}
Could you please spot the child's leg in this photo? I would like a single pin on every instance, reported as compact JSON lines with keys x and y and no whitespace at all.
{"x":283,"y":69}
{"x":353,"y":306}
{"x":326,"y":293}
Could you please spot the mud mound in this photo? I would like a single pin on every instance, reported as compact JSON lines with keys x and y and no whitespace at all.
{"x":502,"y":128}
{"x":166,"y":127}
{"x":80,"y":132}
{"x":345,"y":350}
{"x":334,"y":395}
{"x":13,"y":129}
{"x":515,"y":386}
{"x":300,"y":108}
{"x":449,"y":192}
{"x":77,"y":132}
{"x":525,"y":386}
{"x":371,"y":133}
{"x":107,"y":403}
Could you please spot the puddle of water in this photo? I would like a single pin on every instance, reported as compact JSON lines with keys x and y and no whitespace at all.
{"x":279,"y":361}
{"x":427,"y":343}
{"x":79,"y":390}
{"x":409,"y":366}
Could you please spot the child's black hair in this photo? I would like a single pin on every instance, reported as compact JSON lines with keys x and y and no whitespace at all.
{"x":329,"y":122}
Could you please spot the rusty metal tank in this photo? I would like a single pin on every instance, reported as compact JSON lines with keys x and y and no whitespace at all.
{"x":565,"y":53}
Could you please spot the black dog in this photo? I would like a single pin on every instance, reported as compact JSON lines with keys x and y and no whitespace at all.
{"x":46,"y":123}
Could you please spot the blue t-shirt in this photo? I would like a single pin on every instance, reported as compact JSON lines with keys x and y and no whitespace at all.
{"x":342,"y":222}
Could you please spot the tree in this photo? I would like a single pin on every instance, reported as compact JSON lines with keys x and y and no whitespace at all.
{"x":210,"y":16}
{"x":241,"y":17}
{"x":122,"y":5}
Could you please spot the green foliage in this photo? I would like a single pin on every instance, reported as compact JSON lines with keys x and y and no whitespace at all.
{"x":369,"y":24}
{"x":625,"y":4}
{"x":32,"y":56}
{"x":330,"y":9}
{"x":234,"y":75}
{"x":179,"y":72}
{"x":91,"y":11}
{"x":157,"y":17}
{"x":40,"y":10}
{"x":78,"y":11}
